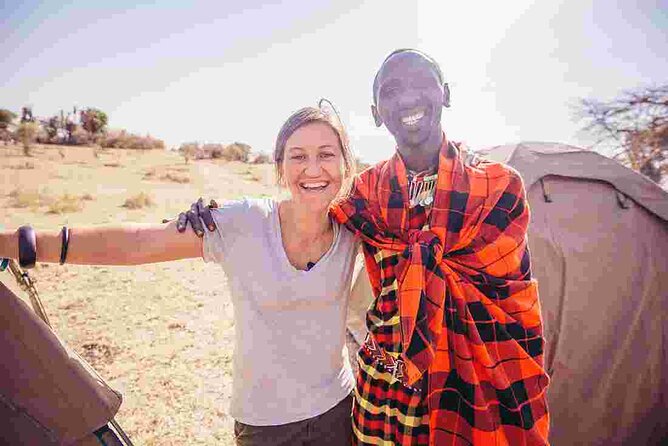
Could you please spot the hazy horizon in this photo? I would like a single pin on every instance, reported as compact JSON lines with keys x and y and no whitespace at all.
{"x":193,"y":71}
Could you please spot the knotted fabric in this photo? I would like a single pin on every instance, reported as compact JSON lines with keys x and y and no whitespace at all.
{"x":471,"y":333}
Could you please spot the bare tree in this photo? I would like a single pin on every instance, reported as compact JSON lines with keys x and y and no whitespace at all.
{"x":635,"y":124}
{"x":26,"y":114}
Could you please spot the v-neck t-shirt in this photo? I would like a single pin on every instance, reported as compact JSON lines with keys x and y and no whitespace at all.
{"x":290,"y":360}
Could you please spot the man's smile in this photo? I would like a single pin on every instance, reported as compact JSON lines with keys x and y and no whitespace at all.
{"x":410,"y":118}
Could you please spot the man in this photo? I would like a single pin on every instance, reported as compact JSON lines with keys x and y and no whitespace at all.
{"x":454,"y":350}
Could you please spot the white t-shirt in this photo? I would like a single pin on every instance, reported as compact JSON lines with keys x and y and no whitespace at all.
{"x":290,"y":361}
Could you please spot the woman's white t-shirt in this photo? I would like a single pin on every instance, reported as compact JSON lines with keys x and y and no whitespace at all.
{"x":290,"y":361}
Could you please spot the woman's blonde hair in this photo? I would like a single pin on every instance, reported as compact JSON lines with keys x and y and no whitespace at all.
{"x":308,"y":115}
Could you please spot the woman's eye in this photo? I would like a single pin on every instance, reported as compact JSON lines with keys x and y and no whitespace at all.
{"x":327,"y":155}
{"x":298,"y":157}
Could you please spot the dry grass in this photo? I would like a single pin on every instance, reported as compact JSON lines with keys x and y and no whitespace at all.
{"x":28,"y":199}
{"x":161,"y":334}
{"x":149,"y":174}
{"x":251,"y":174}
{"x":139,"y":201}
{"x":175,"y":178}
{"x":172,"y":175}
{"x":28,"y":165}
{"x":65,"y":204}
{"x":262,"y":158}
{"x":32,"y":199}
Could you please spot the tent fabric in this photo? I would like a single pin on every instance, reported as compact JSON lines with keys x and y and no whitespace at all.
{"x":535,"y":160}
{"x":602,"y":271}
{"x":48,"y":395}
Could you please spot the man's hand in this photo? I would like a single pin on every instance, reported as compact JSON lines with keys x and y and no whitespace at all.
{"x":197,"y":214}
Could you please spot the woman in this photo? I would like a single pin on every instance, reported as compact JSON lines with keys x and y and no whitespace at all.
{"x":289,"y":268}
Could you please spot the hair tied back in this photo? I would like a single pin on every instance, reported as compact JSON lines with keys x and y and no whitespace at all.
{"x":326,"y":106}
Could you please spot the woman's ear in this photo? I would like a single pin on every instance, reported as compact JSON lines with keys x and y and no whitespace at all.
{"x":446,"y":95}
{"x":376,"y":116}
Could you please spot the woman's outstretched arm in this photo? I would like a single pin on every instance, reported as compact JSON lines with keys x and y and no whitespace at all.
{"x":128,"y":244}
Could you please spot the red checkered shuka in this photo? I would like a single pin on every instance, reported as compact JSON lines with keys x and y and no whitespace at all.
{"x":466,"y":357}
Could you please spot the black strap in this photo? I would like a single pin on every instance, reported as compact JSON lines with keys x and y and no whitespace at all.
{"x":65,"y":241}
{"x":27,"y":247}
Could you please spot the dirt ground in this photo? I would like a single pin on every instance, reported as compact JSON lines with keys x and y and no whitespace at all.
{"x":160,"y":334}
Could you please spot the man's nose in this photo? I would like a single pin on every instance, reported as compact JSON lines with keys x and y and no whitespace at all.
{"x":409,"y":98}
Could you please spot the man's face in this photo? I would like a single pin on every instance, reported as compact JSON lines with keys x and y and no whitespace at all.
{"x":409,"y":98}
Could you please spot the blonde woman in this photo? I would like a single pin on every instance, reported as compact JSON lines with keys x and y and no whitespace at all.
{"x":289,"y":268}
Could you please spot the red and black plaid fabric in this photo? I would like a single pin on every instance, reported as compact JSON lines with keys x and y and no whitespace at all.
{"x":455,"y":350}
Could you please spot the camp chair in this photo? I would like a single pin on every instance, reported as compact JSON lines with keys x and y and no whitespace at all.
{"x":49,"y":395}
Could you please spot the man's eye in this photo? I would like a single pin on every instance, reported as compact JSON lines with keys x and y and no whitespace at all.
{"x":389,"y":92}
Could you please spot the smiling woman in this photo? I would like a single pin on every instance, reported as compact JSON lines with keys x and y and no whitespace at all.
{"x":308,"y":125}
{"x":289,"y":267}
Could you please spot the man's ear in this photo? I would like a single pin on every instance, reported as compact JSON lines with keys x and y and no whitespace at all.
{"x":446,"y":95}
{"x":376,"y":116}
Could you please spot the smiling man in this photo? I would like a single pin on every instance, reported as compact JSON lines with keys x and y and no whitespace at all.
{"x":454,"y":350}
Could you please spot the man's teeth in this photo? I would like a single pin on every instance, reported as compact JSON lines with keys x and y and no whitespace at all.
{"x":412,"y":119}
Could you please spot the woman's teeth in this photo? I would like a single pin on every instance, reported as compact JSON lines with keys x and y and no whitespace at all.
{"x":412,"y":119}
{"x":314,"y":186}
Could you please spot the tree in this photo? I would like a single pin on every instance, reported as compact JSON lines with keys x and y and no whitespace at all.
{"x":237,"y":151}
{"x":6,"y":118}
{"x":189,"y":150}
{"x":52,"y":126}
{"x":26,"y":114}
{"x":635,"y":124}
{"x":27,"y":133}
{"x":93,"y":121}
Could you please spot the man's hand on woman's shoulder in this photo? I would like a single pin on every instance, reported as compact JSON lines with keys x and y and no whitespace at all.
{"x":199,"y":216}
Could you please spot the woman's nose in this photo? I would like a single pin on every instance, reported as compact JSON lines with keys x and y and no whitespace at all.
{"x":312,"y":167}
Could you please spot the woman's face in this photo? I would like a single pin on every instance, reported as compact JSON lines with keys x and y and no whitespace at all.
{"x":313,"y":165}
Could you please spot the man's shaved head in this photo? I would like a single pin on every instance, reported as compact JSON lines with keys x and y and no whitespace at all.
{"x":409,"y":94}
{"x":432,"y":62}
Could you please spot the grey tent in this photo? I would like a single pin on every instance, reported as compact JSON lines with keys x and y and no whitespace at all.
{"x":599,"y":243}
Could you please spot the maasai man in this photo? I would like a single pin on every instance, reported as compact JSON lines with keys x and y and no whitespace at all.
{"x":454,"y":350}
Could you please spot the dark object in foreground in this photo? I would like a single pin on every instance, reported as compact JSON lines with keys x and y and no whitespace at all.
{"x":48,"y":394}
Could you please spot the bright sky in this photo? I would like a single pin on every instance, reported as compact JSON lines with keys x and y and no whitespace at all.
{"x":226,"y":71}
